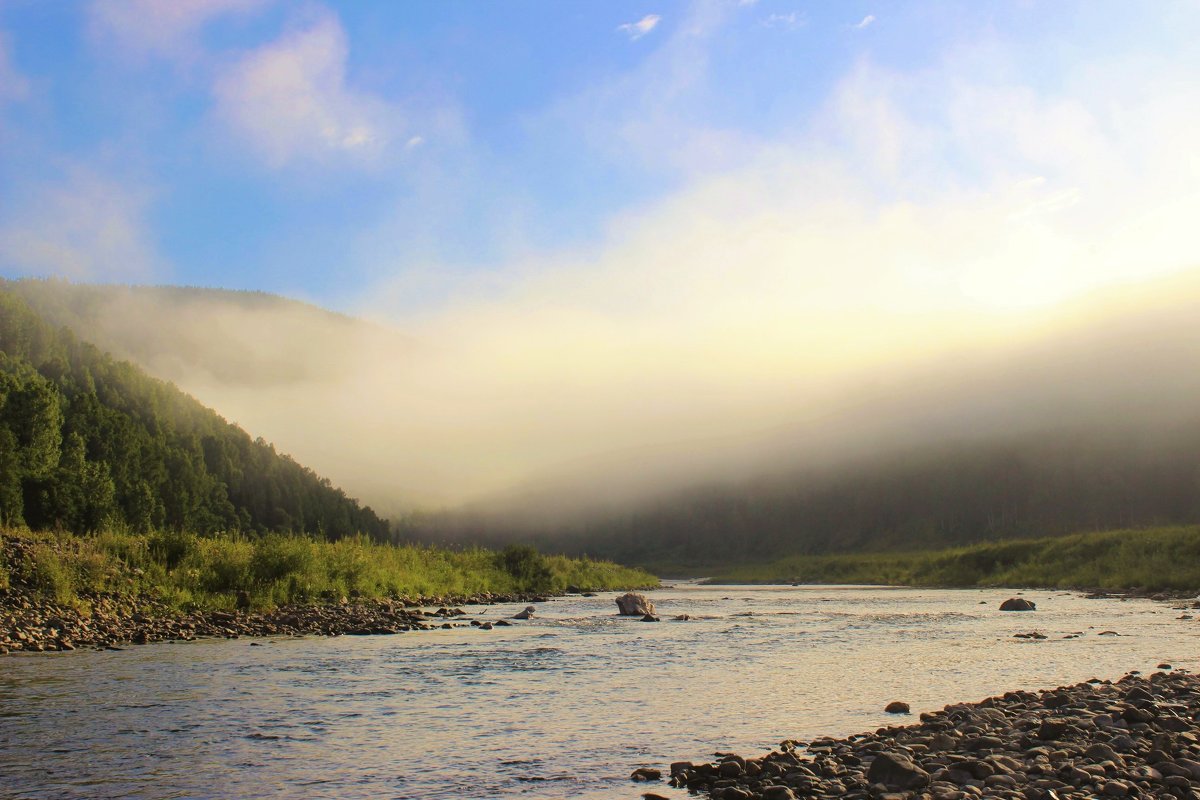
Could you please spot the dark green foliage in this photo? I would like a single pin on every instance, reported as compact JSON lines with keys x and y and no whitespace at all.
{"x":88,"y":442}
{"x":527,"y":566}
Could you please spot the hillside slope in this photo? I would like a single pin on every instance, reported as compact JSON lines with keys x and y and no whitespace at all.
{"x":86,"y":440}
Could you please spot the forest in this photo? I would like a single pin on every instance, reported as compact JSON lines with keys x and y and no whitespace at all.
{"x":89,"y":442}
{"x":924,"y":497}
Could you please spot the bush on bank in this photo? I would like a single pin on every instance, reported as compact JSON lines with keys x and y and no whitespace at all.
{"x":190,"y":571}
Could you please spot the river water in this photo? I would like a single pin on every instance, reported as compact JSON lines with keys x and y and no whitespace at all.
{"x":564,"y":705}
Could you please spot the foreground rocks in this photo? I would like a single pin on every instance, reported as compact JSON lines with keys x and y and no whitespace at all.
{"x":1134,"y":738}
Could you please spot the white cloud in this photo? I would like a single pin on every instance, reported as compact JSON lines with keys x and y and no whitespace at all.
{"x":867,"y":20}
{"x":790,"y":20}
{"x":13,"y":85}
{"x":87,"y":227}
{"x":291,"y":101}
{"x":168,"y":30}
{"x":636,"y":30}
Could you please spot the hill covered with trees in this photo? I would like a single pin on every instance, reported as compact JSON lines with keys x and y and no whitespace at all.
{"x":87,"y":441}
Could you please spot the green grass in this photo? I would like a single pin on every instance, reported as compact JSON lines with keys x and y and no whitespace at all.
{"x":190,"y":571}
{"x":1153,"y":560}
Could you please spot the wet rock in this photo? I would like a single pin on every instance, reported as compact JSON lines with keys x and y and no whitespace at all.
{"x":650,"y":618}
{"x":896,"y":707}
{"x":633,"y":604}
{"x":1018,"y":604}
{"x":526,"y":614}
{"x":646,"y":774}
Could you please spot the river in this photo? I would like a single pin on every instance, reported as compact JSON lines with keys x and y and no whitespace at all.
{"x":564,"y":705}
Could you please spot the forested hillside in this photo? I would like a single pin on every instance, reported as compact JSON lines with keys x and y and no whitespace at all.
{"x":86,"y":441}
{"x":931,"y":496}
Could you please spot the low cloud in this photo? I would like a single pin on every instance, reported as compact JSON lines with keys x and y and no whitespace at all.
{"x":636,"y":30}
{"x":87,"y":226}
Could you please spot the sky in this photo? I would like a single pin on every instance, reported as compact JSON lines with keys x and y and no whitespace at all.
{"x":607,"y":223}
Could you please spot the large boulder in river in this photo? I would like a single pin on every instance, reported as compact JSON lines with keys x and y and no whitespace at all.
{"x":1018,"y":604}
{"x":635,"y":605}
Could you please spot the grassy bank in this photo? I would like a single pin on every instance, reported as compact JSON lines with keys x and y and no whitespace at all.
{"x":189,"y":571}
{"x":1152,"y":559}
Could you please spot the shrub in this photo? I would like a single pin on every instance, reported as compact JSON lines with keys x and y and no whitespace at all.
{"x":528,"y":568}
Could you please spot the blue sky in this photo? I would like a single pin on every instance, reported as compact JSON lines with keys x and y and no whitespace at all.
{"x":323,"y":150}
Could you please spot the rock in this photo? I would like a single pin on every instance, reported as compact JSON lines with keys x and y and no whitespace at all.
{"x":634,"y":605}
{"x":1163,"y":666}
{"x":778,"y":793}
{"x":485,"y":626}
{"x":646,"y":774}
{"x":1018,"y":604}
{"x":682,"y":618}
{"x":526,"y":614}
{"x":896,"y":707}
{"x":896,"y":772}
{"x":1052,"y":729}
{"x":650,"y":618}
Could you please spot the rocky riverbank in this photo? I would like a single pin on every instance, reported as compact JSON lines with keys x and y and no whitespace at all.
{"x":1137,"y":737}
{"x":116,"y":621}
{"x":29,"y":622}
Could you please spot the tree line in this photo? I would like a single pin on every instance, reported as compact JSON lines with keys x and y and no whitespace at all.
{"x":87,"y":441}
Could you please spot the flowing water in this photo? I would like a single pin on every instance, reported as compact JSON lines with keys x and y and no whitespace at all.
{"x":565,"y":705}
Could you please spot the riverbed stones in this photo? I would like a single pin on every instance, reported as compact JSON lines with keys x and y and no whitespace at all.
{"x":896,"y":707}
{"x":633,"y":604}
{"x":1018,"y":604}
{"x":527,"y":613}
{"x":896,"y":771}
{"x":1069,"y":743}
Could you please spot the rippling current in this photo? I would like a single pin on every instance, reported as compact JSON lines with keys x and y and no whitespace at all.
{"x":564,"y":705}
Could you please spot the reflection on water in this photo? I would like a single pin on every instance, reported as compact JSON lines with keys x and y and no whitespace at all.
{"x":565,"y":705}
